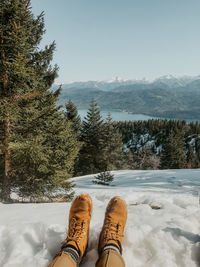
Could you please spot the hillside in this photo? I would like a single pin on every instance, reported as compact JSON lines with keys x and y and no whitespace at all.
{"x":161,"y":98}
{"x":166,"y":237}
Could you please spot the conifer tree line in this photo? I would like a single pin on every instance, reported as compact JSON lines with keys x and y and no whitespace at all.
{"x":161,"y":144}
{"x":102,"y":147}
{"x":152,"y":144}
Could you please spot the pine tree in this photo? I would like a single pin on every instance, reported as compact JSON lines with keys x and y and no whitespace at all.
{"x":190,"y":157}
{"x":143,"y":160}
{"x":92,"y":136}
{"x":173,"y":153}
{"x":38,"y":147}
{"x":45,"y":160}
{"x":104,"y":178}
{"x":113,"y":146}
{"x":71,"y":114}
{"x":146,"y":160}
{"x":15,"y":54}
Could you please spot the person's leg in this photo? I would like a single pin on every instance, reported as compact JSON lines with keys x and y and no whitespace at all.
{"x":110,"y":240}
{"x":110,"y":258}
{"x":63,"y":260}
{"x":75,"y":244}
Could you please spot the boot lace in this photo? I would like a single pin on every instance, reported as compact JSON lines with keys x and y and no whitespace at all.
{"x":112,"y":231}
{"x":77,"y":230}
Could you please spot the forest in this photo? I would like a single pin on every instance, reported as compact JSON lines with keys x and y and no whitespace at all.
{"x":152,"y":144}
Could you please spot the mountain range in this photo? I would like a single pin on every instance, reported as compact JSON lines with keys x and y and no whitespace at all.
{"x":167,"y":96}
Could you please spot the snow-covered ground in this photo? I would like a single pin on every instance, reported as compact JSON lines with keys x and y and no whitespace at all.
{"x":30,"y":234}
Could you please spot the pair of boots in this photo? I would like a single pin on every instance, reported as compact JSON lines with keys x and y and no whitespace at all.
{"x":110,"y":240}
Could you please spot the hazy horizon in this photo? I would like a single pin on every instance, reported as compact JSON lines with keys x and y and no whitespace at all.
{"x":121,"y":79}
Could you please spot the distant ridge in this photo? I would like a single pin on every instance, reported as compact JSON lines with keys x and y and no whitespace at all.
{"x":167,"y":96}
{"x":168,"y":80}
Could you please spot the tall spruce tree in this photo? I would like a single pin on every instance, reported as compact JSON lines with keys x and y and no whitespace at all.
{"x":72,"y":115}
{"x":113,"y":146}
{"x":191,"y":161}
{"x":46,"y":159}
{"x":173,"y":153}
{"x":38,"y":148}
{"x":92,"y":136}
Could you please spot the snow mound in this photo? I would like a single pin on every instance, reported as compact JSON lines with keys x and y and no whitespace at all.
{"x":31,"y":234}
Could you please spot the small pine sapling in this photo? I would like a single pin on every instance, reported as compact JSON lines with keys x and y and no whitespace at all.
{"x":104,"y":178}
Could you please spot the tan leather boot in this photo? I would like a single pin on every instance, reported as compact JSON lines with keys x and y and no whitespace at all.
{"x":79,"y":222}
{"x":114,"y":224}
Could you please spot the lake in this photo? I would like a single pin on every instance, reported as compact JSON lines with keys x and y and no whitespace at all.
{"x":124,"y":116}
{"x":118,"y":115}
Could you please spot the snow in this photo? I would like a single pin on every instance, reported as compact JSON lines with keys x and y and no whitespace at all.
{"x":31,"y":234}
{"x":169,"y":79}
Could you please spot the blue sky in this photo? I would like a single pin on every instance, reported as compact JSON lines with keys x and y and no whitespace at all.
{"x":101,"y":39}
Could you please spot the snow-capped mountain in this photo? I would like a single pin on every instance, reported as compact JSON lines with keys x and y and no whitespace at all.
{"x":174,"y":82}
{"x":104,"y":85}
{"x":167,"y":81}
{"x":167,"y":97}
